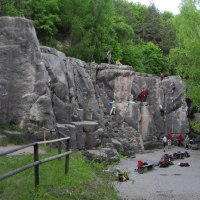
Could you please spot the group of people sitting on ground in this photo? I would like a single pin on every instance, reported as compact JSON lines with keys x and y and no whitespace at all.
{"x":166,"y":159}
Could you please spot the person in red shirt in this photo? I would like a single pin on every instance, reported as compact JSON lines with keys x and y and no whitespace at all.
{"x":180,"y":139}
{"x":143,"y":94}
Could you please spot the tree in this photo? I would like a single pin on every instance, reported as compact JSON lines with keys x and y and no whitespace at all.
{"x":8,"y":8}
{"x":45,"y":15}
{"x":133,"y":17}
{"x":93,"y":34}
{"x":132,"y":54}
{"x":152,"y":25}
{"x":186,"y":57}
{"x":168,"y":33}
{"x":153,"y":59}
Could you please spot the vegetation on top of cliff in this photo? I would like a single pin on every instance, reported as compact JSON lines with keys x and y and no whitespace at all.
{"x":140,"y":36}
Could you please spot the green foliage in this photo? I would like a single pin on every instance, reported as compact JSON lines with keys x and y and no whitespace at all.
{"x":186,"y":56}
{"x":87,"y":29}
{"x":84,"y":181}
{"x":45,"y":15}
{"x":153,"y":59}
{"x":168,"y":34}
{"x":133,"y":16}
{"x":152,"y":25}
{"x":132,"y":55}
{"x":9,"y":8}
{"x":196,"y":127}
{"x":11,"y":138}
{"x":11,"y":127}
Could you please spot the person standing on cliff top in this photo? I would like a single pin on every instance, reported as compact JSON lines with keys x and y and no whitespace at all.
{"x":162,"y":76}
{"x":109,"y":55}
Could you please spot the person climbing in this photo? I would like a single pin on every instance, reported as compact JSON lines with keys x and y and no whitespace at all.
{"x":173,"y":87}
{"x":162,"y":76}
{"x":180,"y":139}
{"x":113,"y":107}
{"x":143,"y":94}
{"x":109,"y":55}
{"x":162,"y":112}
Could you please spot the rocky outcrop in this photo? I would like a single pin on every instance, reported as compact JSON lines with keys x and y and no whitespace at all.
{"x":24,"y":94}
{"x":40,"y":85}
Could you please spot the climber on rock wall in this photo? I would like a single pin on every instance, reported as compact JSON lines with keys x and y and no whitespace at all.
{"x":113,"y":107}
{"x":173,"y":87}
{"x":143,"y":94}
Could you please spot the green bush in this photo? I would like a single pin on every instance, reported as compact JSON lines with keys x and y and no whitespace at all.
{"x":196,"y":127}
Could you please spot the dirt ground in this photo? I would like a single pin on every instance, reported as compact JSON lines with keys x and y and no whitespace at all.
{"x":172,"y":183}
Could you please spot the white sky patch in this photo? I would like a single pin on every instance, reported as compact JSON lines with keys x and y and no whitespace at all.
{"x":162,"y":5}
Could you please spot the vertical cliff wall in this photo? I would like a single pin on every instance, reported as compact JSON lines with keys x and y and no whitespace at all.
{"x":40,"y":84}
{"x":24,"y":95}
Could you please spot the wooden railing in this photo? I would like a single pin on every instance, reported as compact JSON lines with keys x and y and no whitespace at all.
{"x":37,"y":162}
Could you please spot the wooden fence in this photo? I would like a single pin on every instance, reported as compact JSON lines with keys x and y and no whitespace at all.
{"x":37,"y":162}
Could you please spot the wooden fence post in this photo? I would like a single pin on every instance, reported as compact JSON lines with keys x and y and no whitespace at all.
{"x":67,"y":157}
{"x":51,"y":137}
{"x":36,"y":167}
{"x":59,"y":144}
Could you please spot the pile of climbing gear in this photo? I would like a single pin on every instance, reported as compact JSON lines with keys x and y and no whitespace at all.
{"x":167,"y":159}
{"x":121,"y":175}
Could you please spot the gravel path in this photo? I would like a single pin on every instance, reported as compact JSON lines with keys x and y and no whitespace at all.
{"x":172,"y":183}
{"x":28,"y":150}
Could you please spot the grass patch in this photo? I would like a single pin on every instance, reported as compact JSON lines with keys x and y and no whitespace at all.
{"x":85,"y":180}
{"x":11,"y":138}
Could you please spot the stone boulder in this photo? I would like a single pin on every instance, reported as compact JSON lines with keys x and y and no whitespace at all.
{"x":24,"y":94}
{"x":102,"y":155}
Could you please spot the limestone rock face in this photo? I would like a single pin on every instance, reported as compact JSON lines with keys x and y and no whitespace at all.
{"x":40,"y":84}
{"x":24,"y":94}
{"x":145,"y":119}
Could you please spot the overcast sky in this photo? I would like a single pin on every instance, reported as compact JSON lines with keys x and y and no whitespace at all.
{"x":162,"y":5}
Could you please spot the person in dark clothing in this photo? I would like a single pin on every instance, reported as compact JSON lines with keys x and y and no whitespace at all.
{"x":162,"y":112}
